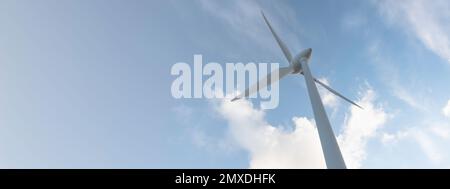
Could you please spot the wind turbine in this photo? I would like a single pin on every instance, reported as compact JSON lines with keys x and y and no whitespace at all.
{"x":299,"y":65}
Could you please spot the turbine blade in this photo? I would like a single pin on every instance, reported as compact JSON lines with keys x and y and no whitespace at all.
{"x":283,"y":46}
{"x":266,"y":81}
{"x":336,"y":93}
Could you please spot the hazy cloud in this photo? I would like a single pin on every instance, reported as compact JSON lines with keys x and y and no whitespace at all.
{"x":446,"y":109}
{"x":429,"y":21}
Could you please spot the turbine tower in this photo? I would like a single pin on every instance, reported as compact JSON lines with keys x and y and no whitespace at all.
{"x":299,"y":65}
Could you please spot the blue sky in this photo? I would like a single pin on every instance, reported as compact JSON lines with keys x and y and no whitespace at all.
{"x":86,"y":84}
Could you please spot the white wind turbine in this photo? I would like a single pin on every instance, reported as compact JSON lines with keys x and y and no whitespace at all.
{"x":299,"y":65}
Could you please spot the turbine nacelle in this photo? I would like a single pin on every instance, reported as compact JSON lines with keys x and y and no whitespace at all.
{"x":296,"y":65}
{"x":306,"y":53}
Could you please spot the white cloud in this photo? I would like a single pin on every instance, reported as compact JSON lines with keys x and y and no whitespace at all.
{"x":431,"y":137}
{"x":273,"y":147}
{"x":423,"y":127}
{"x":359,"y":127}
{"x":441,"y":130}
{"x":446,"y":109}
{"x":429,"y":21}
{"x":270,"y":146}
{"x":212,"y":144}
{"x":401,"y":93}
{"x":387,"y":138}
{"x":428,"y":146}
